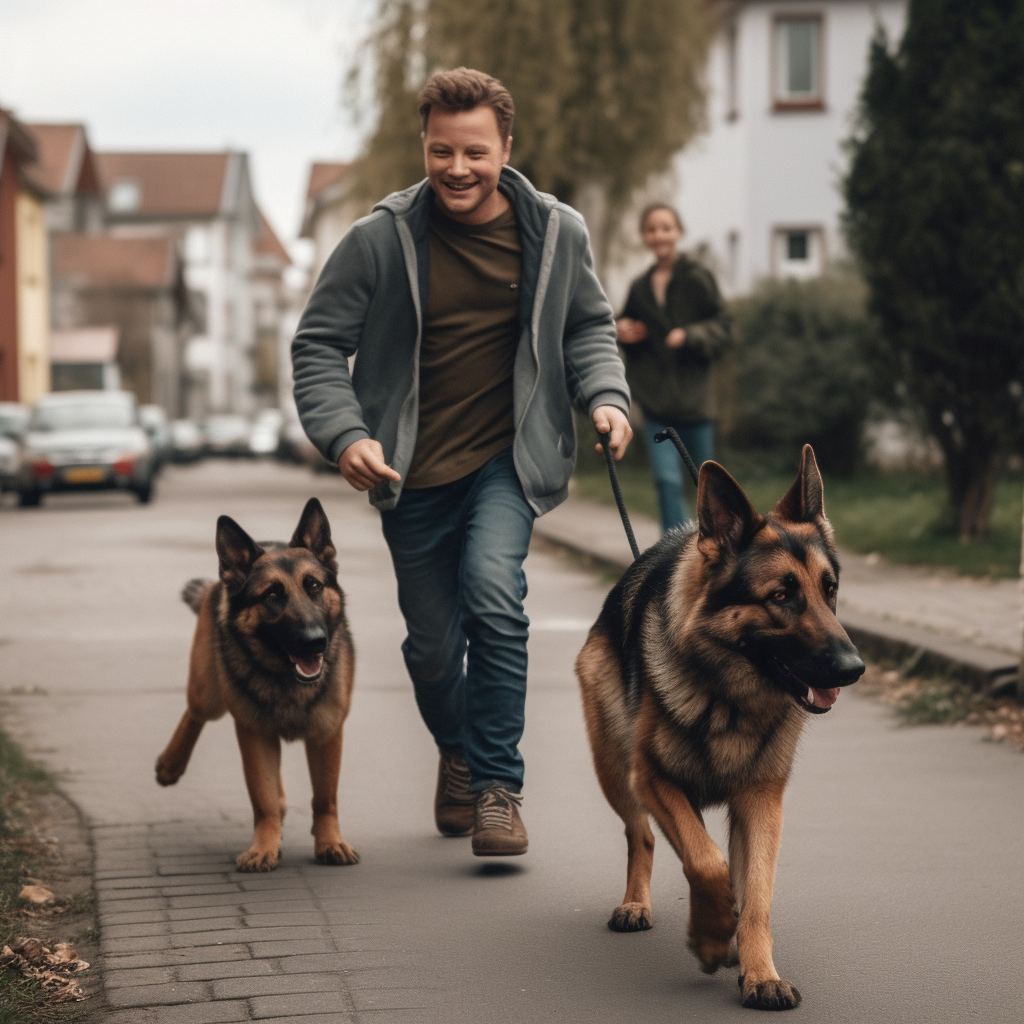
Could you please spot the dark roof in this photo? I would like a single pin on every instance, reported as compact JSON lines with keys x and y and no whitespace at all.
{"x":102,"y":261}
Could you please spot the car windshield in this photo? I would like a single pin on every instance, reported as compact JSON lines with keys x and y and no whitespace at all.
{"x":11,"y":423}
{"x":81,"y":415}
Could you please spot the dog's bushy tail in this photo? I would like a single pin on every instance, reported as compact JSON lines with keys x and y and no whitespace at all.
{"x":193,"y":593}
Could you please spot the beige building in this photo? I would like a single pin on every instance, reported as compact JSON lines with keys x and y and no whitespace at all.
{"x":329,"y":212}
{"x":135,"y":285}
{"x":33,"y":296}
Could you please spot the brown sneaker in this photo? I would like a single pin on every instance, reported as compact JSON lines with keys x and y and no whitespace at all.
{"x":453,"y":804}
{"x":499,"y":831}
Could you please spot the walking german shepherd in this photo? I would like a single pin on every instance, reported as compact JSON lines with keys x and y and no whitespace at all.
{"x":697,"y":678}
{"x":272,"y":646}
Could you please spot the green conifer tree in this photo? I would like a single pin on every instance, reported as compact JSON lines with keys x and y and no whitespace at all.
{"x":935,"y":199}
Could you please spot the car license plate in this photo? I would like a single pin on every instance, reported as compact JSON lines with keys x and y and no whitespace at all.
{"x":85,"y":475}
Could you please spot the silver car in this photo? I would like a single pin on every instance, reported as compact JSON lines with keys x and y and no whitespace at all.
{"x":85,"y":440}
{"x":13,"y":417}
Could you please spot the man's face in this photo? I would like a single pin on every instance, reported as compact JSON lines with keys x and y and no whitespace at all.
{"x":464,"y":155}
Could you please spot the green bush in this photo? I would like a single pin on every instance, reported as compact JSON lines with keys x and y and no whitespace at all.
{"x":801,"y":374}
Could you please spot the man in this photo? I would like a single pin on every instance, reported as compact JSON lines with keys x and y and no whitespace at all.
{"x":472,"y":302}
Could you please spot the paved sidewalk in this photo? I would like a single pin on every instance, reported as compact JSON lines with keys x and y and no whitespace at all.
{"x":976,"y":622}
{"x":897,"y":894}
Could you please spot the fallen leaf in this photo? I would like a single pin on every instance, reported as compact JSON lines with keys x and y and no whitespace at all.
{"x":36,"y":894}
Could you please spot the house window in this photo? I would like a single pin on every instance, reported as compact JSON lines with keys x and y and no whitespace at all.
{"x":125,"y":195}
{"x":799,"y":252}
{"x":797,"y":63}
{"x":732,"y":72}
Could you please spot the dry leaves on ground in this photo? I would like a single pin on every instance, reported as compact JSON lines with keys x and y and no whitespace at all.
{"x":931,"y":700}
{"x":54,"y":969}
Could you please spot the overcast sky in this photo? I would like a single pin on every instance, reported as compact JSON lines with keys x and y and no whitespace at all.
{"x":262,"y":76}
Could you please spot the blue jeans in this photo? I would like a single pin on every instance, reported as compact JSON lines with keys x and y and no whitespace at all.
{"x":668,"y":467}
{"x":458,"y":552}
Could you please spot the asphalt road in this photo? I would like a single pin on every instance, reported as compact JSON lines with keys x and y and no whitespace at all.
{"x":900,"y":892}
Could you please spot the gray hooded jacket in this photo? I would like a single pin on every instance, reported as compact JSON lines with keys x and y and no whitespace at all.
{"x":370,"y":299}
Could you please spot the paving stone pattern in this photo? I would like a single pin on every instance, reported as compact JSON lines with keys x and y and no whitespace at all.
{"x":186,"y":939}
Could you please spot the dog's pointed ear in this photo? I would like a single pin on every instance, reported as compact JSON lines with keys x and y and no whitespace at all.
{"x":237,"y":552}
{"x":725,"y":517}
{"x":804,"y":502}
{"x":314,"y":534}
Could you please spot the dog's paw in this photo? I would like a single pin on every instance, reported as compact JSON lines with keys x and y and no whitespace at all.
{"x":256,"y":858}
{"x":338,"y":852}
{"x":773,"y":994}
{"x":630,"y":917}
{"x":167,"y":776}
{"x":712,"y":952}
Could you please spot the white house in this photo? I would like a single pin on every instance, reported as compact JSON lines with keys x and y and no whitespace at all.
{"x":205,"y":202}
{"x":760,"y":190}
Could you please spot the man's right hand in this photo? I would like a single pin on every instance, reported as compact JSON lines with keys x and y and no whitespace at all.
{"x":362,"y":464}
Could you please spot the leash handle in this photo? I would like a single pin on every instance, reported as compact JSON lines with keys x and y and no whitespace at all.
{"x":617,"y":491}
{"x":669,"y":434}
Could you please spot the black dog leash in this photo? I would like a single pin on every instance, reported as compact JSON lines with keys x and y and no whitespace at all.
{"x":668,"y":434}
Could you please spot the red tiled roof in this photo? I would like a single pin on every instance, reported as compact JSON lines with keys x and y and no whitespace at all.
{"x":322,"y":175}
{"x":267,"y":243}
{"x":55,"y":144}
{"x":101,"y":261}
{"x":171,"y":184}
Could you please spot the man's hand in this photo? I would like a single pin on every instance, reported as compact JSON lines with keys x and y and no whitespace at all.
{"x":676,"y":338}
{"x":607,"y":417}
{"x":630,"y":332}
{"x":362,"y":464}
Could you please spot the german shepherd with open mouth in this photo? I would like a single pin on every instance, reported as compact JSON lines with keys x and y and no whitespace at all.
{"x":708,"y":657}
{"x":272,"y":646}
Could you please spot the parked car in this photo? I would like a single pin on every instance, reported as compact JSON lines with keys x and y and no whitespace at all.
{"x":10,"y":463}
{"x":187,"y":441}
{"x":227,"y":434}
{"x":265,"y":433}
{"x":85,"y":440}
{"x":13,"y":417}
{"x":154,"y":422}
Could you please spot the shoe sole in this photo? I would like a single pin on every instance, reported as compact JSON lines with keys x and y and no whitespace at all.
{"x":448,"y":834}
{"x":500,"y":853}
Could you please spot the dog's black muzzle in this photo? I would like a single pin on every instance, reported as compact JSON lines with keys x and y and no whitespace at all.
{"x":308,"y":641}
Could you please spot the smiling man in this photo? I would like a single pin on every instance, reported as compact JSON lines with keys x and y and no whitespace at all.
{"x":478,"y":320}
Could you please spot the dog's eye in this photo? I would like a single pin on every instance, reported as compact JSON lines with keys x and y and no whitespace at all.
{"x":313,"y":585}
{"x":274,"y":595}
{"x":830,"y":590}
{"x":780,"y":596}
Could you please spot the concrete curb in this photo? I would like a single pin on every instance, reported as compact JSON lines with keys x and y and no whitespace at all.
{"x":913,"y":648}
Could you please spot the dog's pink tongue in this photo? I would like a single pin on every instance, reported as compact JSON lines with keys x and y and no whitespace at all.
{"x":823,"y":698}
{"x":307,"y":666}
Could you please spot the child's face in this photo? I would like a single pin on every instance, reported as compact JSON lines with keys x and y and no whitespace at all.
{"x":661,"y":233}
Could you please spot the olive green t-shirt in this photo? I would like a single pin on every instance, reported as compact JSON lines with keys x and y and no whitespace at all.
{"x":470,"y":335}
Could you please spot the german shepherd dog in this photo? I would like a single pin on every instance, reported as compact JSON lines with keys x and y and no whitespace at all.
{"x":708,"y":657}
{"x":272,"y":646}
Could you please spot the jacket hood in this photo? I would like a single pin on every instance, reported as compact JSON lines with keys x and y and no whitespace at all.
{"x":514,"y":185}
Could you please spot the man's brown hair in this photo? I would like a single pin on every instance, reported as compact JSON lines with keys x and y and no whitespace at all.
{"x":466,"y":89}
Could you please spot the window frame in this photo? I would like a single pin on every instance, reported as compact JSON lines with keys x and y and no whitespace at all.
{"x":817,"y":250}
{"x":812,"y":102}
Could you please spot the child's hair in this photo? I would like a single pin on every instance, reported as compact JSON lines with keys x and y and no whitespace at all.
{"x":651,"y":207}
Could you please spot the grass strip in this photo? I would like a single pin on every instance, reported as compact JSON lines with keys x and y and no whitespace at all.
{"x":902,"y":517}
{"x":22,"y":855}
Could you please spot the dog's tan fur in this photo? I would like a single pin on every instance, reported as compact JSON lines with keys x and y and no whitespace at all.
{"x":682,"y":713}
{"x":235,"y":668}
